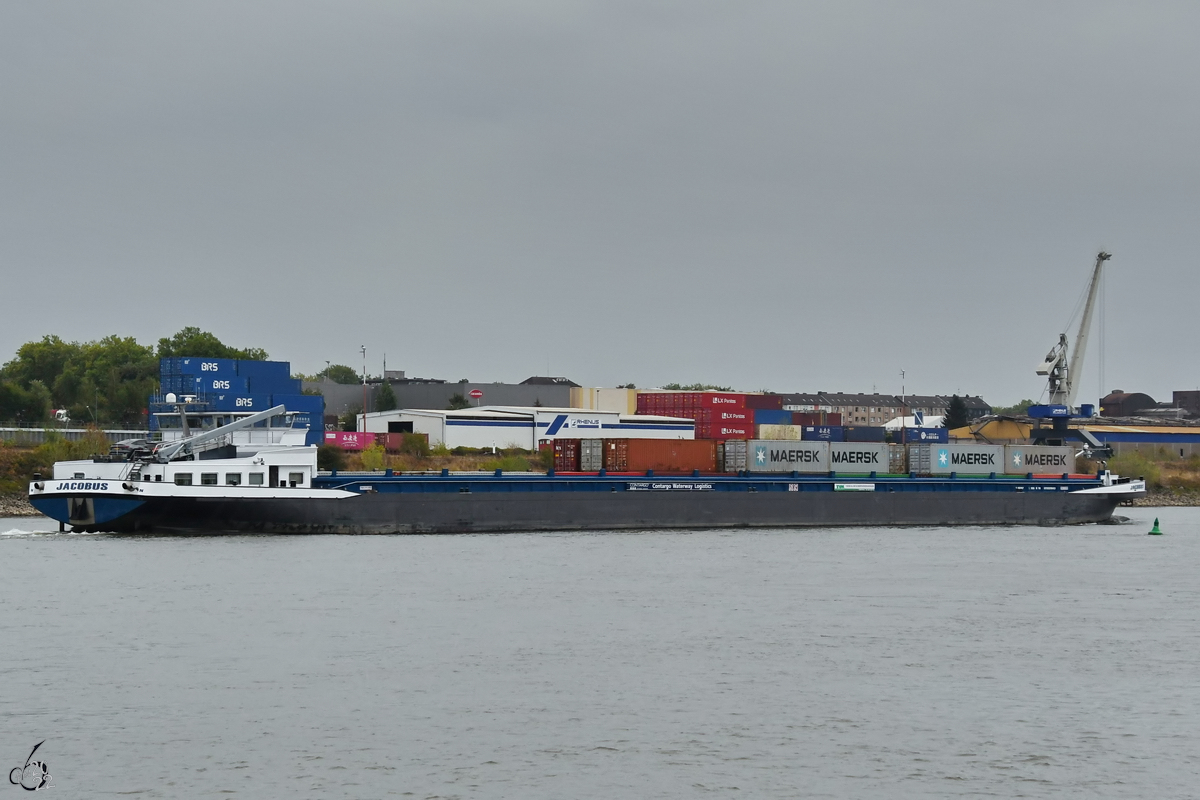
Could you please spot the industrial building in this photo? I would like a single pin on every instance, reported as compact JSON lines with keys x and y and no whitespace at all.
{"x":522,"y":427}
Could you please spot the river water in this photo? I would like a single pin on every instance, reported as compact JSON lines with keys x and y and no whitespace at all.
{"x":865,"y":663}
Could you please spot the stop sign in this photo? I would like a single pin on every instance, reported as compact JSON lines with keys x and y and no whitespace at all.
{"x":476,"y":393}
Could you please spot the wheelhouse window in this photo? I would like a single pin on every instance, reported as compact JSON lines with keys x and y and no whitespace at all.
{"x":296,"y":478}
{"x":233,"y":479}
{"x":256,"y":479}
{"x":208,"y":479}
{"x":183,"y":479}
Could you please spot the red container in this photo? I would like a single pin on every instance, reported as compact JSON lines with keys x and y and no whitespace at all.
{"x":669,"y":455}
{"x":770,"y":402}
{"x":722,"y":400}
{"x":566,"y":455}
{"x":732,"y":416}
{"x":718,"y":430}
{"x":349,"y":440}
{"x":394,"y":442}
{"x":616,"y":455}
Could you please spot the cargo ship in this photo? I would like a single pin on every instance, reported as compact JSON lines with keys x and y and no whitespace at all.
{"x":210,"y":483}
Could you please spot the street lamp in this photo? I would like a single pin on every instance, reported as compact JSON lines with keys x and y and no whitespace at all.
{"x":364,"y":407}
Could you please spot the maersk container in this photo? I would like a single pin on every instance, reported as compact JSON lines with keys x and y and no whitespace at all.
{"x":208,"y":367}
{"x":1022,"y":459}
{"x":824,"y":433}
{"x":779,"y":432}
{"x":765,"y":402}
{"x":858,"y":457}
{"x":862,"y":433}
{"x":671,"y":455}
{"x":764,"y":455}
{"x":964,"y":459}
{"x":229,"y":401}
{"x":591,"y":455}
{"x":772,"y":416}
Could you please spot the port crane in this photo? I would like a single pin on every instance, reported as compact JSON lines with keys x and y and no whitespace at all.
{"x":1062,"y":372}
{"x":1061,"y":367}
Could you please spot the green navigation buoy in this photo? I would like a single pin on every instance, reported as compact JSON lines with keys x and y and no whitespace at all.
{"x":1155,"y":531}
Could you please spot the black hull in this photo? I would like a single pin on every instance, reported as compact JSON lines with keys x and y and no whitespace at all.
{"x":499,"y":512}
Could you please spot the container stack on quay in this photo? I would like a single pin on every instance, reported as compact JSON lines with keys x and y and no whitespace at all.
{"x":209,"y":386}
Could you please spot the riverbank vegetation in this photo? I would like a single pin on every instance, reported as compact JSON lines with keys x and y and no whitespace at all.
{"x":103,"y":383}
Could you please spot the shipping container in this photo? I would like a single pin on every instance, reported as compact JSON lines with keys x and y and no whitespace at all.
{"x":671,"y":455}
{"x":730,"y":416}
{"x":591,"y":455}
{"x":734,"y":456}
{"x":299,"y":402}
{"x":963,"y":459}
{"x":239,"y":402}
{"x":858,"y":457}
{"x":207,"y":384}
{"x":790,"y":456}
{"x":349,"y":440}
{"x":824,"y":433}
{"x":566,"y":455}
{"x":724,"y":431}
{"x":920,"y":435}
{"x":861,"y":433}
{"x":765,"y":402}
{"x":779,"y":432}
{"x":274,"y":385}
{"x":1023,"y":459}
{"x":897,"y":459}
{"x":403,"y":442}
{"x":769,"y":416}
{"x":816,"y":418}
{"x":265,"y":370}
{"x":208,"y":367}
{"x":728,"y":400}
{"x":616,"y":455}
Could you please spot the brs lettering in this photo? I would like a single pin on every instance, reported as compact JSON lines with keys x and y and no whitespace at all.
{"x":245,"y":402}
{"x":220,"y":384}
{"x":209,"y":366}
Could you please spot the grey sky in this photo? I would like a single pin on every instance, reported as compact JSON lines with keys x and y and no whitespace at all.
{"x":792,"y":196}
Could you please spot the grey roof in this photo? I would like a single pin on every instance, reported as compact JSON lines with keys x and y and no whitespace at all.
{"x":537,"y":380}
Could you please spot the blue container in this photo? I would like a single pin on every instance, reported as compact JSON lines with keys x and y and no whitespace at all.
{"x":863,"y":433}
{"x":261,"y":385}
{"x":1087,"y":410}
{"x":921,"y":436}
{"x":231,"y":401}
{"x":300,"y":402}
{"x":207,"y":384}
{"x":208,"y":367}
{"x":771,"y":416}
{"x":267,"y":370}
{"x":823,"y":433}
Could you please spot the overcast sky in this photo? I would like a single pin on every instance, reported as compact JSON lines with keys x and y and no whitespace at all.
{"x":773,"y":195}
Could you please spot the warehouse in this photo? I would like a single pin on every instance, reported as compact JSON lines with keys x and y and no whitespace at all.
{"x":522,"y":427}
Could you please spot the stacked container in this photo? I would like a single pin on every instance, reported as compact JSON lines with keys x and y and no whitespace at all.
{"x":566,"y":455}
{"x":591,"y":455}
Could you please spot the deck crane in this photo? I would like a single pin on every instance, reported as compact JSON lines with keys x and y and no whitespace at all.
{"x":1062,"y":367}
{"x":1061,"y":372}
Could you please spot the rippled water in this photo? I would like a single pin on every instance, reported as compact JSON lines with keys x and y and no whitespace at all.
{"x":1007,"y":662}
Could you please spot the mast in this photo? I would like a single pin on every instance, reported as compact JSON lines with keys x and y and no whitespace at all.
{"x":1085,"y":326}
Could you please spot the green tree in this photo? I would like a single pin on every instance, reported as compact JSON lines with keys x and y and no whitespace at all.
{"x":457,"y":401}
{"x":956,"y":413}
{"x":349,"y":420}
{"x":373,"y":457}
{"x":339,"y":373}
{"x":1016,"y":410}
{"x":192,"y":341}
{"x":697,"y":387}
{"x":331,"y":457}
{"x":385,"y":398}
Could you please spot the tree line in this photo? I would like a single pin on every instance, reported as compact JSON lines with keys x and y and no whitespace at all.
{"x":105,"y":382}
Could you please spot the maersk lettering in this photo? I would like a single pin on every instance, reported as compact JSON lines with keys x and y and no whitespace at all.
{"x":855,"y":457}
{"x":796,"y":456}
{"x":973,"y":459}
{"x":1045,"y":460}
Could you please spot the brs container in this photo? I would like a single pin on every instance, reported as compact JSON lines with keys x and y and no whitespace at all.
{"x":773,"y":402}
{"x":591,"y":455}
{"x":861,"y":433}
{"x":1022,"y":459}
{"x":671,"y":455}
{"x":858,"y":457}
{"x":768,"y":456}
{"x":300,"y":402}
{"x":349,"y":440}
{"x":823,"y":433}
{"x":265,"y":370}
{"x":208,"y":367}
{"x":779,"y":432}
{"x":207,"y":384}
{"x":274,"y":385}
{"x":566,"y":455}
{"x":229,"y":401}
{"x":964,"y":459}
{"x":771,"y":416}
